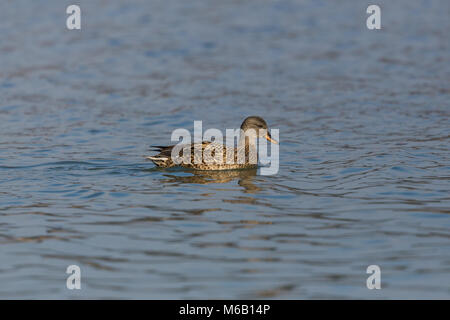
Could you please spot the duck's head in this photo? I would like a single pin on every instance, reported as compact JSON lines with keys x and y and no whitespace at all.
{"x":256,"y":127}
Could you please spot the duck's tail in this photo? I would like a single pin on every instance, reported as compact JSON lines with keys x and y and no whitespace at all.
{"x":164,"y":157}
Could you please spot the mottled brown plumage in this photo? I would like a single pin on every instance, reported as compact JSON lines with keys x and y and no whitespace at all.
{"x":215,"y":156}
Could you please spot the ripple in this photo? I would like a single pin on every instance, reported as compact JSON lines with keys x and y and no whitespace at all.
{"x":364,"y":158}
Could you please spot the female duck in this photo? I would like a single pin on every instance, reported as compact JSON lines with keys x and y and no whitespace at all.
{"x":215,"y":156}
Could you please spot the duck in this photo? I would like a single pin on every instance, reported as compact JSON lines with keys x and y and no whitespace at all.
{"x":208,"y":155}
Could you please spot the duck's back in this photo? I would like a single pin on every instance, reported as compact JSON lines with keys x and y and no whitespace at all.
{"x":205,"y":156}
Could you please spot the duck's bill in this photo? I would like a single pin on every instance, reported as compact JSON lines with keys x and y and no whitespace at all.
{"x":269,"y":138}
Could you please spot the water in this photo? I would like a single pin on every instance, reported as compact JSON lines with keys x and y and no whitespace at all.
{"x":364,"y":155}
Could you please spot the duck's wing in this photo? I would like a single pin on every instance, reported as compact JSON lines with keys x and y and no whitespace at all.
{"x":206,"y":152}
{"x":217,"y":153}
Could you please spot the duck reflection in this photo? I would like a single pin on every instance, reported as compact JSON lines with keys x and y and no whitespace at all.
{"x":245,"y":178}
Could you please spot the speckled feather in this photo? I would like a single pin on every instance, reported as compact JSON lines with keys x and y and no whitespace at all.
{"x":210,"y":156}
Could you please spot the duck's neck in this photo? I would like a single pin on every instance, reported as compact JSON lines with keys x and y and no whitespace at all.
{"x":249,"y":145}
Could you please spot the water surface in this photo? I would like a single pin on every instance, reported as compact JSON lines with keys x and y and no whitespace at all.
{"x":364,"y":155}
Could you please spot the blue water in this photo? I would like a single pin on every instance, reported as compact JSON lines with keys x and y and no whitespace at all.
{"x":364,"y":155}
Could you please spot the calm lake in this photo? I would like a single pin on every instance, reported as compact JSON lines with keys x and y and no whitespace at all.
{"x":364,"y":168}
